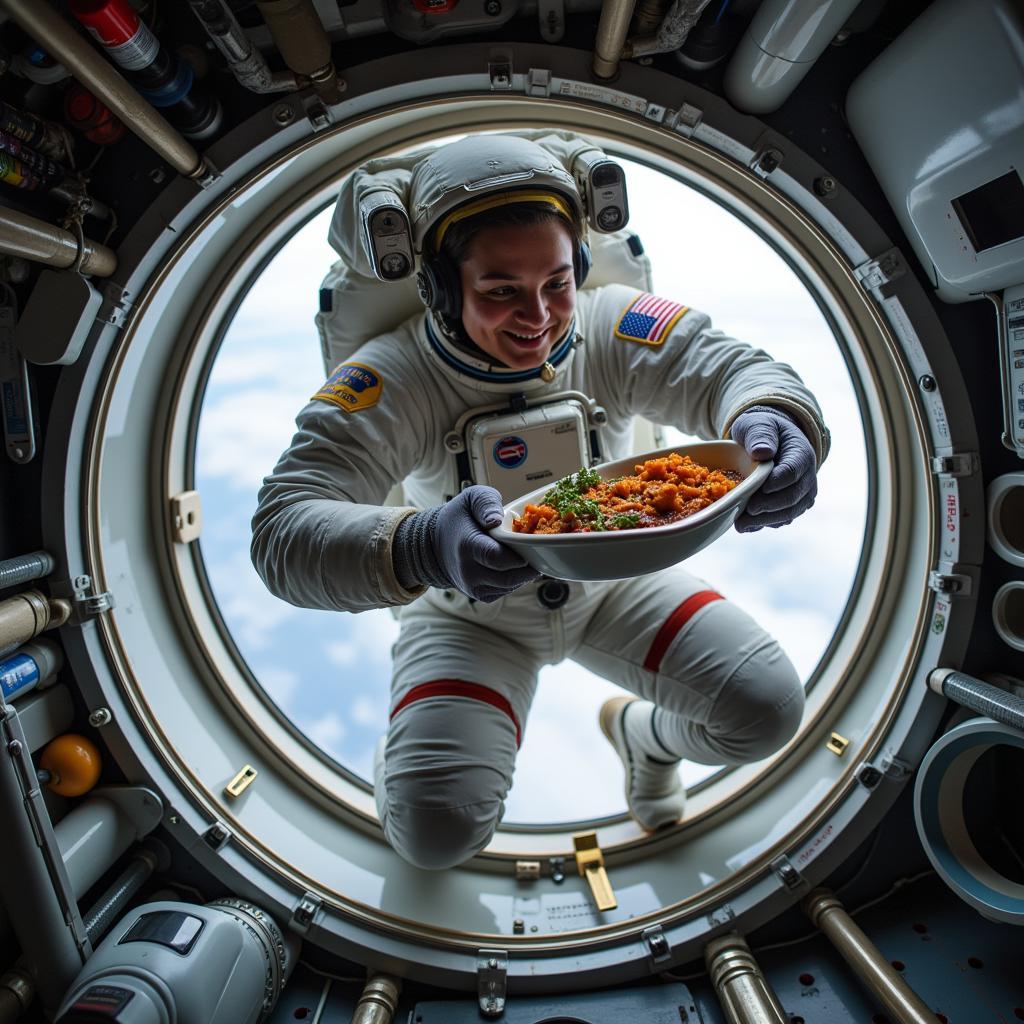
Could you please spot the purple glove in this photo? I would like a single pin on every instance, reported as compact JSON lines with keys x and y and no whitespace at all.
{"x":792,"y":485}
{"x":447,"y":546}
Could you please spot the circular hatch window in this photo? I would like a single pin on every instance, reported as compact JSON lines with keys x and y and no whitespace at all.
{"x":329,"y":672}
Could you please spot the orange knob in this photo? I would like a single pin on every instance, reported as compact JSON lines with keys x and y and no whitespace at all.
{"x":73,"y":763}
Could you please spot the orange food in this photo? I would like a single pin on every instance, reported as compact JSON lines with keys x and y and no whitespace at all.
{"x":660,"y":491}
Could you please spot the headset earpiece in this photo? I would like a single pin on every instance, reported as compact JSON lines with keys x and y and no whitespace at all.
{"x":582,"y":261}
{"x":439,"y":286}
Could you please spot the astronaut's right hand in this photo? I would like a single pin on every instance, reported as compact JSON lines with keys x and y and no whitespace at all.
{"x":448,"y":546}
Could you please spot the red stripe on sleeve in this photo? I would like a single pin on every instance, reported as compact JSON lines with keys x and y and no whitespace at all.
{"x":459,"y":688}
{"x":674,"y":623}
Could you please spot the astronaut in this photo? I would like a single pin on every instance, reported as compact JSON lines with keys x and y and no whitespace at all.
{"x":511,"y":337}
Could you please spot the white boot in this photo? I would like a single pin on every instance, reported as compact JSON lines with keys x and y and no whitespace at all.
{"x":654,"y":792}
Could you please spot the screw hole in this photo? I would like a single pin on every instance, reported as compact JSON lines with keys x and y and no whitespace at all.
{"x":975,"y":962}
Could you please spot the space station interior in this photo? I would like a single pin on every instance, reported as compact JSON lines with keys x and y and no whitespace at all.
{"x":177,"y":846}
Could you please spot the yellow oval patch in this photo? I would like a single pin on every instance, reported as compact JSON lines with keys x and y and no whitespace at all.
{"x":352,"y":386}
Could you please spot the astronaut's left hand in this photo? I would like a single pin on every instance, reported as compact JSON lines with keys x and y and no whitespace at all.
{"x":792,"y":485}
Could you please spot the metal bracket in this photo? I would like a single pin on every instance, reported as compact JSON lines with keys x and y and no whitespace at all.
{"x":551,"y":14}
{"x":115,"y":306}
{"x":888,"y":267}
{"x":217,"y":836}
{"x":657,"y":945}
{"x":319,"y":116}
{"x":305,"y":911}
{"x":491,"y":981}
{"x":88,"y":605}
{"x":952,"y":584}
{"x":894,"y":767}
{"x":720,"y":915}
{"x":556,"y":865}
{"x":961,"y":464}
{"x":499,"y":71}
{"x":527,"y":870}
{"x":686,"y":120}
{"x":590,"y":864}
{"x":15,"y":394}
{"x":766,"y":160}
{"x":186,"y":516}
{"x":538,"y":82}
{"x":790,"y":877}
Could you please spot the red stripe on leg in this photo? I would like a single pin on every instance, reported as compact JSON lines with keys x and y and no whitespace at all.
{"x":459,"y":688}
{"x":674,"y":623}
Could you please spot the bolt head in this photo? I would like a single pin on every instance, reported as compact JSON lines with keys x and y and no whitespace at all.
{"x":768,"y":162}
{"x":100,"y":717}
{"x":492,"y":8}
{"x":927,"y":382}
{"x":283,"y":114}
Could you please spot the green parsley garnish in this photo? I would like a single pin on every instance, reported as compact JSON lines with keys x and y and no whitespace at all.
{"x":566,"y":498}
{"x":625,"y":520}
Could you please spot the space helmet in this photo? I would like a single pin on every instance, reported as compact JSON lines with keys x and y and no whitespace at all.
{"x":470,"y":177}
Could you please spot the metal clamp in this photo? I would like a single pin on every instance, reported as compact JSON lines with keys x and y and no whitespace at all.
{"x":115,"y":307}
{"x":686,"y":120}
{"x":590,"y":864}
{"x":790,"y":877}
{"x":499,"y":71}
{"x":883,"y":269}
{"x":658,"y":948}
{"x":88,"y":603}
{"x":305,"y":911}
{"x":491,"y":981}
{"x":951,"y":584}
{"x":961,"y":464}
{"x":217,"y":836}
{"x":538,"y":82}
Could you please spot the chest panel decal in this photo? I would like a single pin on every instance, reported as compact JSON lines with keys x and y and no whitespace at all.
{"x":352,"y":387}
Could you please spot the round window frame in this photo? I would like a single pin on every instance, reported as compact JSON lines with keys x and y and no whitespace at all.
{"x":935,"y":425}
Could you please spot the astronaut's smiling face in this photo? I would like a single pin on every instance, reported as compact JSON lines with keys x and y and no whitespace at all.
{"x":518,"y":291}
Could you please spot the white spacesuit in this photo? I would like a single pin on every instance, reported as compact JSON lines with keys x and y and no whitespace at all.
{"x":465,"y":670}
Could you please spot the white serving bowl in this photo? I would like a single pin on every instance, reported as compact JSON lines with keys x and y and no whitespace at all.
{"x":621,"y":554}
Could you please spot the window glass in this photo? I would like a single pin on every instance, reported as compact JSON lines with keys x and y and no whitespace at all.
{"x":329,"y":672}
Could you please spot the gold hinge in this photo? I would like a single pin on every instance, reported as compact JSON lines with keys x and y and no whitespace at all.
{"x":242,"y":780}
{"x":590,"y":862}
{"x":837,"y":744}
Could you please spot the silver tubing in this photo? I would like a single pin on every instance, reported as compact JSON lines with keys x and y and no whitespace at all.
{"x":861,"y":954}
{"x":25,"y":568}
{"x":986,"y":699}
{"x":245,"y":60}
{"x":43,"y":24}
{"x":26,"y":615}
{"x":742,"y":988}
{"x":34,"y":239}
{"x":611,"y":36}
{"x":107,"y":909}
{"x":379,"y":1001}
{"x":33,"y":884}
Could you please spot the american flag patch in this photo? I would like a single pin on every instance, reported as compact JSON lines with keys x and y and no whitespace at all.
{"x":648,"y":319}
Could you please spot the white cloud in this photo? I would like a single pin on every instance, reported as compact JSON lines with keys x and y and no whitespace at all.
{"x":279,"y":683}
{"x":366,"y":711}
{"x":326,"y":731}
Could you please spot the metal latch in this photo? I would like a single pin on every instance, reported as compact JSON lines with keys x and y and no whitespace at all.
{"x":783,"y":868}
{"x":115,"y":307}
{"x":657,"y":944}
{"x":88,"y":605}
{"x":889,"y":266}
{"x":538,"y":82}
{"x":686,"y":120}
{"x":305,"y":911}
{"x":590,"y":863}
{"x":491,"y":981}
{"x":186,"y":516}
{"x":499,"y":71}
{"x":837,"y":744}
{"x":952,"y":584}
{"x":962,"y":464}
{"x":217,"y":836}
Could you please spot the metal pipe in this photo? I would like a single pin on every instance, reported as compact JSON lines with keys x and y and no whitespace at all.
{"x":299,"y":34}
{"x":27,"y":614}
{"x":379,"y":1001}
{"x":43,"y":24}
{"x":986,"y":699}
{"x":22,"y":235}
{"x":611,"y":36}
{"x":16,"y":993}
{"x":649,"y":14}
{"x":742,"y":988}
{"x":828,"y":914}
{"x":779,"y":47}
{"x":24,"y":568}
{"x":108,"y":908}
{"x":245,"y":60}
{"x":33,"y":885}
{"x":671,"y":33}
{"x":92,"y":837}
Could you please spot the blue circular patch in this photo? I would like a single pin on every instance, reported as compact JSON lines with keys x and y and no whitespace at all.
{"x":510,"y":451}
